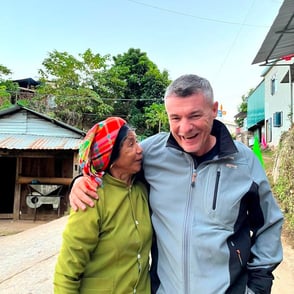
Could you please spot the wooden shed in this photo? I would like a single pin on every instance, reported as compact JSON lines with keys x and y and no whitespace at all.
{"x":38,"y":160}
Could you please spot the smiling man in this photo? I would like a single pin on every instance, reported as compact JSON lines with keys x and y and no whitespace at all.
{"x":216,"y":222}
{"x":191,"y":126}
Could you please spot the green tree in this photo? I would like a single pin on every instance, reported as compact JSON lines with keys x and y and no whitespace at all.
{"x":72,"y":89}
{"x":145,"y":84}
{"x":156,"y":117}
{"x":7,"y":88}
{"x":242,"y":109}
{"x":4,"y":71}
{"x":4,"y":97}
{"x":81,"y":90}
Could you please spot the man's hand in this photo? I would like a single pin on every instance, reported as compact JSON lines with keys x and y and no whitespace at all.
{"x":82,"y":193}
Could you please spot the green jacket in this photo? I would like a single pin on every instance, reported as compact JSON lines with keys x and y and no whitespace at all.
{"x":106,"y":249}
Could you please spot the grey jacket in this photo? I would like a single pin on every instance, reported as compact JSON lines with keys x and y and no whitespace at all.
{"x":219,"y":233}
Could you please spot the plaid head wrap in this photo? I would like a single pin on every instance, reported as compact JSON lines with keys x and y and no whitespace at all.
{"x":96,"y":148}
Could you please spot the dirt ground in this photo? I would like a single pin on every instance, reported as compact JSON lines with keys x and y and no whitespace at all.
{"x":284,"y":274}
{"x":9,"y":227}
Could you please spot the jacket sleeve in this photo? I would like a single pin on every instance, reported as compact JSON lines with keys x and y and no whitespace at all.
{"x":266,"y":221}
{"x":80,"y":238}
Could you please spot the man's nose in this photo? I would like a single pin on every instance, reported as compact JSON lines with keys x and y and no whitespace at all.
{"x":185,"y":126}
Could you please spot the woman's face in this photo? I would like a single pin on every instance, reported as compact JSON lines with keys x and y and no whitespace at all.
{"x":130,"y":155}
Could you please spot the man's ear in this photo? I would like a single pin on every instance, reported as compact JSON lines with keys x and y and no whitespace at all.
{"x":215,"y":109}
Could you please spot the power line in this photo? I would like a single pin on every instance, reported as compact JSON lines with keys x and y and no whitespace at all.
{"x":18,"y":94}
{"x":196,"y":16}
{"x":235,"y":39}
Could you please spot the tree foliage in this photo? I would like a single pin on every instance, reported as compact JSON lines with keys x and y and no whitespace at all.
{"x":73,"y":88}
{"x":85,"y":89}
{"x":7,"y":88}
{"x":4,"y":71}
{"x":242,"y":109}
{"x":156,"y":117}
{"x":145,"y":84}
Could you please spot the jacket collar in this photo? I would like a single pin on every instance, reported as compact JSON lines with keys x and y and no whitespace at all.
{"x":223,"y":139}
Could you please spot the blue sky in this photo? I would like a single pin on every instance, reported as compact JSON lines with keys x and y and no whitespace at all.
{"x":216,"y":39}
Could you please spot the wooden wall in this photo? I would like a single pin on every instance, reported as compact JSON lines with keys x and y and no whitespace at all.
{"x":50,"y":168}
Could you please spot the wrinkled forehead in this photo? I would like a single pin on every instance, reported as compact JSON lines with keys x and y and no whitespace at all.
{"x":189,"y":100}
{"x":131,"y":135}
{"x":196,"y":104}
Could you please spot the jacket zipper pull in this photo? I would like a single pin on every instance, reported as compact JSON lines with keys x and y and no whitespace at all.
{"x":239,"y":256}
{"x":194,"y":175}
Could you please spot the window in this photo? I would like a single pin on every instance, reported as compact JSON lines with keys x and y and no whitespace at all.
{"x":277,"y":119}
{"x":273,"y":85}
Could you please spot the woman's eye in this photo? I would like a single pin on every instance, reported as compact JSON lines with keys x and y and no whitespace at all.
{"x":131,"y":143}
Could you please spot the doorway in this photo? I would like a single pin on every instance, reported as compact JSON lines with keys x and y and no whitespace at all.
{"x":7,"y":183}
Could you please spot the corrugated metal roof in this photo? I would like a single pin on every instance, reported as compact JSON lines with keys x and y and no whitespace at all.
{"x":33,"y":142}
{"x":279,"y":41}
{"x":24,"y":129}
{"x":29,"y":114}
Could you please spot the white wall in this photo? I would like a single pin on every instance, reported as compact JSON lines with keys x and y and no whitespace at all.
{"x":280,"y":101}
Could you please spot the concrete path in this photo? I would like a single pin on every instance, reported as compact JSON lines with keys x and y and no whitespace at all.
{"x":27,"y":259}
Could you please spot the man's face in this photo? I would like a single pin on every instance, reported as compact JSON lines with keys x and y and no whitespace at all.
{"x":191,"y":120}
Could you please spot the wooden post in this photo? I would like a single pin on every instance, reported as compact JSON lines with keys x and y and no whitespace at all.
{"x":44,"y":180}
{"x":17,"y":191}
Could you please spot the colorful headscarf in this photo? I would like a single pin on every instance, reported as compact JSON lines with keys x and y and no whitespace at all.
{"x":95,"y":150}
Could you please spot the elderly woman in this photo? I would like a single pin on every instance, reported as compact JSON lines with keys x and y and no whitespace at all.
{"x":107,"y":249}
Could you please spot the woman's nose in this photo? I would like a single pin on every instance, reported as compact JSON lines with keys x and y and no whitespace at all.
{"x":139,"y":148}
